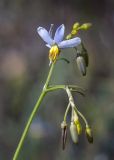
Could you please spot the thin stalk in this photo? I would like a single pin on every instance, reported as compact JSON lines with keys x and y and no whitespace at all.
{"x":35,"y":109}
{"x":84,"y":119}
{"x":66,"y":112}
{"x":28,"y":126}
{"x":49,"y":76}
{"x":55,"y":87}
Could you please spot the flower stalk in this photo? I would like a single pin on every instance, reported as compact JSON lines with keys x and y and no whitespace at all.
{"x":35,"y":109}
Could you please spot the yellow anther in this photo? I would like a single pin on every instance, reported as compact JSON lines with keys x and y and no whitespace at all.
{"x":76,"y":25}
{"x":85,"y":26}
{"x":53,"y":53}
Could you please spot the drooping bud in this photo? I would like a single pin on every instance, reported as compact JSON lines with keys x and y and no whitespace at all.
{"x":89,"y":135}
{"x":81,"y":65}
{"x":77,"y":122}
{"x":64,"y":134}
{"x":73,"y":132}
{"x":78,"y":126}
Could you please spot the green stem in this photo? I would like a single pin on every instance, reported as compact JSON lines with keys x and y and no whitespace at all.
{"x":49,"y":76}
{"x":82,"y":116}
{"x":28,"y":125}
{"x":66,"y":112}
{"x":55,"y":87}
{"x":35,"y":109}
{"x":72,"y":88}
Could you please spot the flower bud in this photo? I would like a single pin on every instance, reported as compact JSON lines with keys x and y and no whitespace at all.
{"x":69,"y":36}
{"x":76,"y":25}
{"x":85,"y":26}
{"x":73,"y":132}
{"x":64,"y":134}
{"x":81,"y":65}
{"x":77,"y":123}
{"x":89,"y":134}
{"x":74,"y":32}
{"x":78,"y":126}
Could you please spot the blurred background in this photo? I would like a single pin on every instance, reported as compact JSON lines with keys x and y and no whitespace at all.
{"x":23,"y":71}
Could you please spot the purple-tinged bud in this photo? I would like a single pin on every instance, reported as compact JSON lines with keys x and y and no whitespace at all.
{"x":64,"y":134}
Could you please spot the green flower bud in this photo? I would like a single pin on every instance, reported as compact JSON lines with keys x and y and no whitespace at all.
{"x":89,"y":134}
{"x":76,"y":25}
{"x":69,"y":36}
{"x":78,"y":126}
{"x":77,"y":122}
{"x":85,"y":26}
{"x":81,"y":65}
{"x":73,"y":132}
{"x":74,"y":32}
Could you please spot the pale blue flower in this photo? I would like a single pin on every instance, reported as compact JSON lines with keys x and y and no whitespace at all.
{"x":58,"y":38}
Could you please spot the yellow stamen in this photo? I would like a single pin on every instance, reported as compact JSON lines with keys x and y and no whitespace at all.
{"x":53,"y":53}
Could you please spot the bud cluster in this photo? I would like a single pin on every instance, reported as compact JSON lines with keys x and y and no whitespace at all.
{"x":76,"y":27}
{"x":75,"y":125}
{"x":82,"y":58}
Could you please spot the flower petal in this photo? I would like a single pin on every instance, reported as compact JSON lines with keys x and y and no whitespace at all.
{"x":44,"y":34}
{"x":70,"y":43}
{"x":59,"y":34}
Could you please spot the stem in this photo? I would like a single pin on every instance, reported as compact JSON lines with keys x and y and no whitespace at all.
{"x":49,"y":76}
{"x":28,"y":125}
{"x":35,"y":109}
{"x":82,"y":116}
{"x":72,"y":88}
{"x":66,"y":112}
{"x":55,"y":87}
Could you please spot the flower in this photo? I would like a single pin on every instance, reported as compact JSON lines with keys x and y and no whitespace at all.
{"x":57,"y":43}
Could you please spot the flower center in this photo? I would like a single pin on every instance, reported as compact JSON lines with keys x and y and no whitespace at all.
{"x":53,"y":53}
